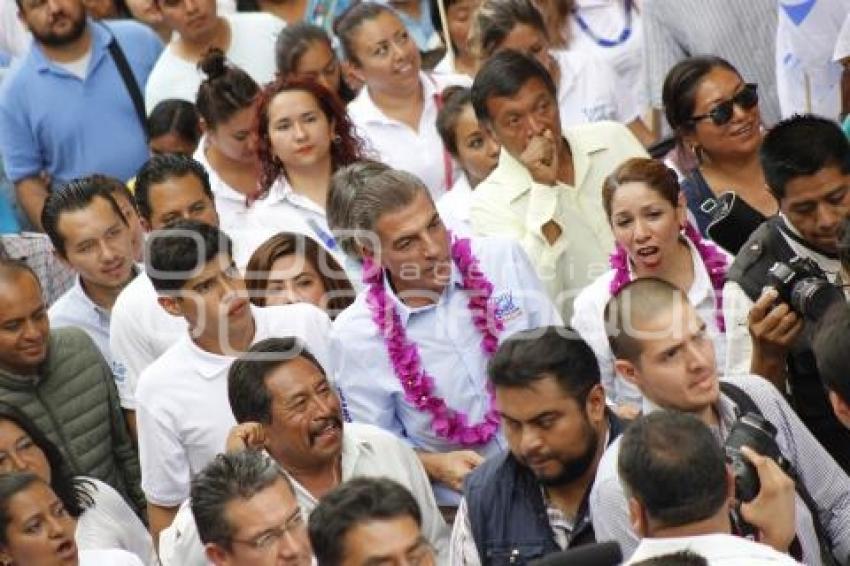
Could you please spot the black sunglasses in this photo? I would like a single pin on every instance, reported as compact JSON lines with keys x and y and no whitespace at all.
{"x":746,"y":98}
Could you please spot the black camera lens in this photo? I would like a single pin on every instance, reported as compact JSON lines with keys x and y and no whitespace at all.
{"x":755,"y":432}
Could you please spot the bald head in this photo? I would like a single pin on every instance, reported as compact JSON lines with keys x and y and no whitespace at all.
{"x":12,"y":269}
{"x":637,"y":304}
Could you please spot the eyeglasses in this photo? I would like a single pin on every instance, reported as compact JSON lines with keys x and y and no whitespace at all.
{"x":745,"y":99}
{"x":270,"y":538}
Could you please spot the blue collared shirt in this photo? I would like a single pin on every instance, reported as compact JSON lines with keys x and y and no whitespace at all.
{"x":449,"y":346}
{"x":53,"y":121}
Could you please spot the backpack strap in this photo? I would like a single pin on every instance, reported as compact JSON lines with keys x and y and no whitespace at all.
{"x":129,"y":80}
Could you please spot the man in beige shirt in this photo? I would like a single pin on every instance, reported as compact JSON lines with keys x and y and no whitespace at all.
{"x":546,"y":190}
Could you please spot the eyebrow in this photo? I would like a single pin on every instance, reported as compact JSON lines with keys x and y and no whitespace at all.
{"x":737,"y":88}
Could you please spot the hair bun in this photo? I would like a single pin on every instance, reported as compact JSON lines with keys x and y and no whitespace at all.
{"x":213,"y":64}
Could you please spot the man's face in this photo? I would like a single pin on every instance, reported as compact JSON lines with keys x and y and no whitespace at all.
{"x":54,"y":23}
{"x":24,"y":327}
{"x":306,"y":424}
{"x":179,"y":198}
{"x":268,"y":530}
{"x":515,"y":120}
{"x":194,"y":20}
{"x":676,"y":366}
{"x":817,"y":205}
{"x":98,"y":245}
{"x":214,"y":302}
{"x":388,"y":542}
{"x":415,"y":249}
{"x":534,"y":43}
{"x":549,"y":431}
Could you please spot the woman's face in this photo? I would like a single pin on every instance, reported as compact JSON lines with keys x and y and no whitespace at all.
{"x":459,"y":16}
{"x":646,"y":225}
{"x":299,"y":132}
{"x":233,"y":137}
{"x":293,"y":279}
{"x":740,"y":136}
{"x":18,"y":452}
{"x":145,"y":11}
{"x":387,"y":58}
{"x":40,"y":530}
{"x":477,"y":151}
{"x":534,"y":43}
{"x":319,"y":63}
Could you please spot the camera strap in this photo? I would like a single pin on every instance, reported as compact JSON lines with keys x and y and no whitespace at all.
{"x":746,"y":405}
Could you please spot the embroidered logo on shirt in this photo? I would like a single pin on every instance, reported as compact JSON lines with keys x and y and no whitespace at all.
{"x":505,"y":307}
{"x":598,"y":113}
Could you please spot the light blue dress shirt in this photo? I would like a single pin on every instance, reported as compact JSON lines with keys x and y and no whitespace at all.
{"x":449,"y":346}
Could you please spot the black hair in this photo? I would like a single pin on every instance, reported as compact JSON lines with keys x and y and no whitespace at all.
{"x":496,"y":19}
{"x":678,"y":95}
{"x":74,"y":493}
{"x":801,"y":146}
{"x":672,"y":464}
{"x":356,"y":501}
{"x":350,"y":21}
{"x":175,"y":116}
{"x":238,"y":475}
{"x":831,"y":347}
{"x":531,"y":355}
{"x":293,"y":41}
{"x":681,"y":558}
{"x":226,"y":90}
{"x":161,"y":168}
{"x":73,"y":196}
{"x":503,"y":75}
{"x":249,"y":397}
{"x":179,"y":251}
{"x":455,"y":99}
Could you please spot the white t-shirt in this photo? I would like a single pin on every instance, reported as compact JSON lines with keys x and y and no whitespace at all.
{"x":454,"y":208}
{"x":590,"y":91}
{"x":182,"y":407}
{"x":252,"y":41}
{"x":110,"y":523}
{"x":111,"y":557}
{"x":398,"y":145}
{"x":717,"y":549}
{"x":607,"y":20}
{"x":230,"y":204}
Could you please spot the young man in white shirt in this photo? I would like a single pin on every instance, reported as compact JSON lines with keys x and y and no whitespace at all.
{"x":661,"y":346}
{"x":247,"y":39}
{"x":91,"y":235}
{"x":546,"y":191}
{"x":427,"y":292}
{"x":680,"y":492}
{"x":181,"y":401}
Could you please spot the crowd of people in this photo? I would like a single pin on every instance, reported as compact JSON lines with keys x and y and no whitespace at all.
{"x":455,"y":282}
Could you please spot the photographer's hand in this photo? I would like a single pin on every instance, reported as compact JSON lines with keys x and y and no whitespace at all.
{"x":773,"y":328}
{"x":772,"y":511}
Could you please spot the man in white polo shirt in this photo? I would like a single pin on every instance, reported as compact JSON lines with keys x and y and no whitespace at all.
{"x":92,"y":236}
{"x":181,"y":401}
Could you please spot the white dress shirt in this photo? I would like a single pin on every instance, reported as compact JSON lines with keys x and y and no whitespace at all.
{"x":419,"y":152}
{"x":588,"y":321}
{"x":454,"y":207}
{"x":367,"y":451}
{"x":717,"y":549}
{"x":510,"y":203}
{"x":75,"y":308}
{"x":449,"y":346}
{"x":183,"y":410}
{"x":823,"y":478}
{"x":231,"y":205}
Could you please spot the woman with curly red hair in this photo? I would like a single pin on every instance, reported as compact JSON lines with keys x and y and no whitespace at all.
{"x":303,"y":136}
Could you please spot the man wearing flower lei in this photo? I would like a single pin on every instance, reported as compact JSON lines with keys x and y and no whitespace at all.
{"x":410,"y":353}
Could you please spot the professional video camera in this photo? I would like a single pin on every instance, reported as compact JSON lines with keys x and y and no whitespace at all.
{"x":804,"y":286}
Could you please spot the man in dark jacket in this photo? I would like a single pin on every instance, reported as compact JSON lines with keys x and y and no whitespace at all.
{"x":61,"y":381}
{"x":532,"y":500}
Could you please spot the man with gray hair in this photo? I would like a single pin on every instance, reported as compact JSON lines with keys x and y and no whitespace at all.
{"x":411,"y":351}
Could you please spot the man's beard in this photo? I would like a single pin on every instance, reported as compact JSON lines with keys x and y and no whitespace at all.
{"x":55,"y":40}
{"x":576,"y":468}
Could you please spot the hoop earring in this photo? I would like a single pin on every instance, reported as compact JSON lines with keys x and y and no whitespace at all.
{"x":336,"y":139}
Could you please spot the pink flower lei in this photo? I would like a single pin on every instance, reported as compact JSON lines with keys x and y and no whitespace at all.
{"x":417,"y":383}
{"x":714,"y":260}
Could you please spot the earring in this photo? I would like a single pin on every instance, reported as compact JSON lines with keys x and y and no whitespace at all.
{"x":336,"y":139}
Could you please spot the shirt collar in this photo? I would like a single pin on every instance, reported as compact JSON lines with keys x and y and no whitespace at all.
{"x":100,"y":38}
{"x":282,"y":191}
{"x":367,"y":111}
{"x":726,"y":410}
{"x":404,"y":311}
{"x":210,"y":365}
{"x":82,"y":298}
{"x":220,"y":189}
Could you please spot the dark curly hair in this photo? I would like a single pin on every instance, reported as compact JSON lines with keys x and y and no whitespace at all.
{"x":346,"y":150}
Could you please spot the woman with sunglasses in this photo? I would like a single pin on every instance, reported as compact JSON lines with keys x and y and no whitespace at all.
{"x":715,"y":116}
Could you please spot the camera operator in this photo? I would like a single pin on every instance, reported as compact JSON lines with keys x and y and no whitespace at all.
{"x":661,"y":346}
{"x":780,"y":282}
{"x":680,"y":490}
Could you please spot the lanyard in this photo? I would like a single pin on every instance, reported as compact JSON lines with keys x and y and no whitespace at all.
{"x":602,"y":42}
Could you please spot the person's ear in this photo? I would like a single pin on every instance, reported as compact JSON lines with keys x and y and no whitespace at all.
{"x":595,"y":404}
{"x":172,"y":305}
{"x":840,"y":407}
{"x":215,"y":554}
{"x":628,"y":371}
{"x":638,"y":518}
{"x":205,"y":129}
